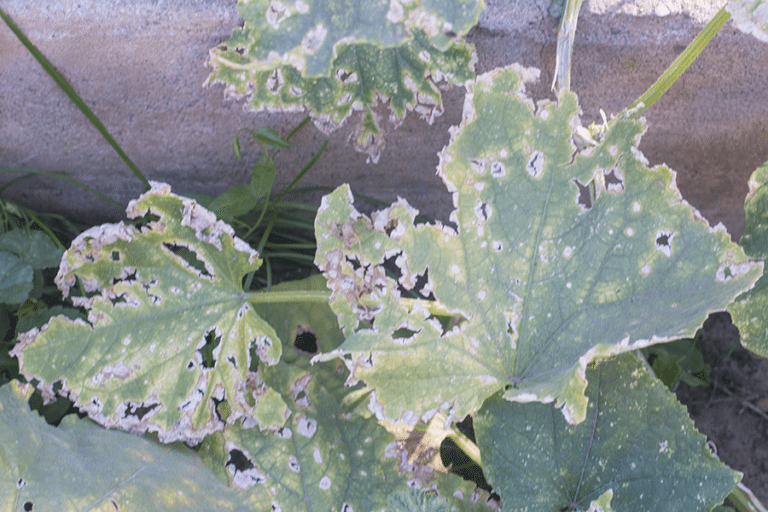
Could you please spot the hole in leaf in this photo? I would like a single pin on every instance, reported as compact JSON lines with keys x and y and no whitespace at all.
{"x":584,"y":197}
{"x":239,"y":461}
{"x":306,"y":341}
{"x":404,"y":333}
{"x":223,"y":410}
{"x":28,"y":505}
{"x":189,"y":257}
{"x":143,"y":221}
{"x":211,"y":342}
{"x":664,"y":241}
{"x":139,"y":411}
{"x":115,"y":256}
{"x":613,"y":181}
{"x":447,"y":323}
{"x":354,"y":262}
{"x":118,"y":299}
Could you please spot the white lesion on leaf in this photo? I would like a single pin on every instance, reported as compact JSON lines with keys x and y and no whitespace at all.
{"x":277,"y":13}
{"x":535,"y":164}
{"x":275,"y":82}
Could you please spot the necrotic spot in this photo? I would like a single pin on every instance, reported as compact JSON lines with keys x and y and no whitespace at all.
{"x":535,"y":164}
{"x":498,"y":170}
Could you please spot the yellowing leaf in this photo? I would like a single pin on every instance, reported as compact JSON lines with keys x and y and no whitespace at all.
{"x":563,"y":254}
{"x":170,"y":333}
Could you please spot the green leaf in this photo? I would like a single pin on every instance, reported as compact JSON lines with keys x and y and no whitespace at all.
{"x":750,"y":16}
{"x":637,"y":442}
{"x":271,"y":138}
{"x":295,"y":318}
{"x":34,"y":247}
{"x":237,"y":200}
{"x":363,"y":76}
{"x":310,"y":36}
{"x":15,"y":279}
{"x":679,"y":361}
{"x":748,"y":311}
{"x":321,"y":459}
{"x":80,"y":466}
{"x":165,"y":294}
{"x":561,"y":256}
{"x":263,"y":175}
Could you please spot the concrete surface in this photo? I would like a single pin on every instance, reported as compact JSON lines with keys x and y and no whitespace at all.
{"x":139,"y":64}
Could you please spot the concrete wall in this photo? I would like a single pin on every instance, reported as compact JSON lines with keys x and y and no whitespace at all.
{"x":139,"y":64}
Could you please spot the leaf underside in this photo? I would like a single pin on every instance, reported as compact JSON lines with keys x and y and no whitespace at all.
{"x":169,"y":331}
{"x":750,"y":310}
{"x":637,"y":442}
{"x":560,"y":256}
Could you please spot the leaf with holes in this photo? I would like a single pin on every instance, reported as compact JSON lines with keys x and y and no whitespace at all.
{"x":170,"y":333}
{"x":409,"y":77}
{"x":561,"y":255}
{"x":637,"y":449}
{"x":324,"y":458}
{"x":80,"y":466}
{"x":749,"y":309}
{"x":309,"y":37}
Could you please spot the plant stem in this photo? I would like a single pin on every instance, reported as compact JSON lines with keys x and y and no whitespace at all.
{"x":464,"y":443}
{"x":680,"y":64}
{"x":565,"y":37}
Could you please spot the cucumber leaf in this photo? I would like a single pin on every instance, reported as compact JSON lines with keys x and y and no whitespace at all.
{"x":409,"y":76}
{"x":749,"y":310}
{"x":169,"y":331}
{"x":80,"y":466}
{"x":308,"y":36}
{"x":565,"y":250}
{"x":637,"y":443}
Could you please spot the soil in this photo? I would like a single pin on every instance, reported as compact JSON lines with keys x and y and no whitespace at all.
{"x":733,"y":411}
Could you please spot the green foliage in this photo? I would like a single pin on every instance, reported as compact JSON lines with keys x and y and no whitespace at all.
{"x":637,"y":442}
{"x":544,"y":274}
{"x":749,"y":309}
{"x":156,"y":368}
{"x":567,"y":255}
{"x":678,"y":361}
{"x":339,"y":57}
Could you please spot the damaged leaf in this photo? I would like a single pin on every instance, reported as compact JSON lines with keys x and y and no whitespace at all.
{"x":80,"y":466}
{"x":637,"y":449}
{"x":309,"y":36}
{"x":749,"y":309}
{"x":561,"y":255}
{"x":408,"y":77}
{"x":169,"y":332}
{"x":321,"y":459}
